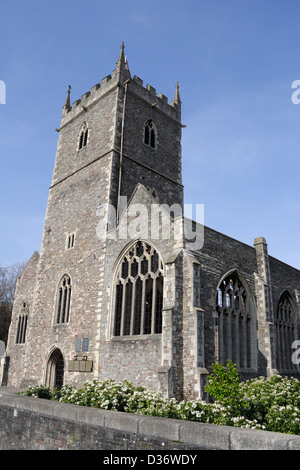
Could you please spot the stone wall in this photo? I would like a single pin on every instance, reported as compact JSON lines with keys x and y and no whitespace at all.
{"x":34,"y":424}
{"x":25,"y":292}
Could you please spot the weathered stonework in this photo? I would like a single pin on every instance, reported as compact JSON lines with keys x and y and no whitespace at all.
{"x":115,"y":166}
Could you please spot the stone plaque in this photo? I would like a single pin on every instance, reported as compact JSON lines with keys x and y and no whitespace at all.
{"x":2,"y":348}
{"x":88,"y":366}
{"x":85,"y":344}
{"x":80,"y":366}
{"x":78,"y":344}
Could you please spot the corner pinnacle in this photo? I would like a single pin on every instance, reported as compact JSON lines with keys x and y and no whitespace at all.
{"x":67,"y":104}
{"x":177,"y":95}
{"x":121,"y":59}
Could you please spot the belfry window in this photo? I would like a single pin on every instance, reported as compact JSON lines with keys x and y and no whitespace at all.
{"x":233,"y":323}
{"x":64,"y":299}
{"x":22,"y":324}
{"x":285,"y":332}
{"x":139,"y":292}
{"x":83,"y":136}
{"x":150,"y":136}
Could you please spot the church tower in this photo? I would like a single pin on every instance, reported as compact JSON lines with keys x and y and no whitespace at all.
{"x":119,"y":136}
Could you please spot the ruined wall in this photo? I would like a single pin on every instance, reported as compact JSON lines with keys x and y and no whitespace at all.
{"x":25,"y":293}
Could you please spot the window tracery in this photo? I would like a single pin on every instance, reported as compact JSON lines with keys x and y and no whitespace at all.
{"x":64,"y":299}
{"x":285,"y":332}
{"x":233,"y":323}
{"x":150,"y":134}
{"x":22,"y":324}
{"x":83,"y":136}
{"x":139,"y":292}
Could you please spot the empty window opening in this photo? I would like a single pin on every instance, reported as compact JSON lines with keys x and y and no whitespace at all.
{"x":83,"y":136}
{"x":233,"y":323}
{"x":71,"y":240}
{"x":64,"y":299}
{"x":139,"y":292}
{"x":22,"y":324}
{"x":150,"y":134}
{"x":285,"y":333}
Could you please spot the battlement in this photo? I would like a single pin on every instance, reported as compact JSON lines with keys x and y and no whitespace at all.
{"x":135,"y":86}
{"x":148,"y":93}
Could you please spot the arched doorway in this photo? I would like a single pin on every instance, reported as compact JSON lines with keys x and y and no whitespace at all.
{"x":55,"y":370}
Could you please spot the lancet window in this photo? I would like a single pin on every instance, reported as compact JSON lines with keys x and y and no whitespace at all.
{"x":64,"y":299}
{"x":83,"y":136}
{"x":22,"y":324}
{"x":233,"y":323}
{"x":285,"y":331}
{"x":139,"y":292}
{"x":150,"y":136}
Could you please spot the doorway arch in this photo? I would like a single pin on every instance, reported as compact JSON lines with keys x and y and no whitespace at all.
{"x":55,"y":370}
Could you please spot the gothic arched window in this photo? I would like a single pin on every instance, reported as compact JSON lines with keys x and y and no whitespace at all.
{"x":83,"y":136}
{"x":285,"y":331}
{"x":22,"y":324}
{"x":64,"y":299}
{"x":233,"y":323}
{"x":150,"y":135}
{"x":139,"y":292}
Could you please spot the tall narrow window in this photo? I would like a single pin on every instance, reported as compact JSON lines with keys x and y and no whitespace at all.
{"x":70,"y":240}
{"x":150,"y":136}
{"x":83,"y":136}
{"x":139,"y":292}
{"x":64,"y":299}
{"x":285,"y":331}
{"x":233,"y":323}
{"x":22,"y":324}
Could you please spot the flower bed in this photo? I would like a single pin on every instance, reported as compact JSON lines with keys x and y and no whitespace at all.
{"x":272,"y":404}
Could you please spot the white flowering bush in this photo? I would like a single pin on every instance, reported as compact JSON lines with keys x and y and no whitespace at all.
{"x":263,"y":403}
{"x":272,"y":404}
{"x":108,"y":395}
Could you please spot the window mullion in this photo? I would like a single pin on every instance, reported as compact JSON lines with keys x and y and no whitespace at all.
{"x":68,"y":304}
{"x":61,"y":305}
{"x":18,"y":330}
{"x":153,"y":306}
{"x":132,"y":308}
{"x":24,"y":328}
{"x":143,"y":306}
{"x":123,"y":311}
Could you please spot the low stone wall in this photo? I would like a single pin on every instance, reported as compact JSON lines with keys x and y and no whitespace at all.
{"x":36,"y":424}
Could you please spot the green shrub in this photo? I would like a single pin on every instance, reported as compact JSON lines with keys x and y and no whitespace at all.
{"x":37,"y":391}
{"x":223,"y":385}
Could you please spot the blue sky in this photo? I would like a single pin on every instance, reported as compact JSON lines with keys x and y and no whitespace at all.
{"x":235,"y":61}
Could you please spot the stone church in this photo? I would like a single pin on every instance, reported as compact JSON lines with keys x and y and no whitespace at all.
{"x":119,"y":289}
